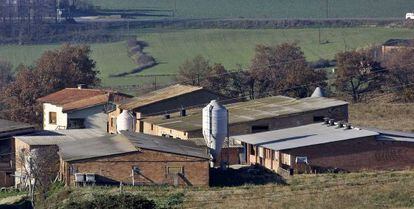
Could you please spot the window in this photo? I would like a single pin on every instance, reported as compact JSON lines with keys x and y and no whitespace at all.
{"x":52,"y":118}
{"x":252,"y":150}
{"x":152,"y":127}
{"x":261,"y":128}
{"x":318,"y":118}
{"x":76,"y":123}
{"x":175,"y":170}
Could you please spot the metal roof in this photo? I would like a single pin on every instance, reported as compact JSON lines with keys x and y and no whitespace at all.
{"x":60,"y":136}
{"x":79,"y":149}
{"x":9,"y":128}
{"x":162,"y":144}
{"x":302,"y":136}
{"x":387,"y":135}
{"x":269,"y":107}
{"x":159,"y":95}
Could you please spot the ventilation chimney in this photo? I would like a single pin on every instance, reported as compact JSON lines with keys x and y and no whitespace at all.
{"x":331,"y":122}
{"x":82,"y":86}
{"x":183,"y":112}
{"x":340,"y":124}
{"x":348,"y":126}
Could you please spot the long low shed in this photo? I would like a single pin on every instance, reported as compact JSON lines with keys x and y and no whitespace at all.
{"x":320,"y":148}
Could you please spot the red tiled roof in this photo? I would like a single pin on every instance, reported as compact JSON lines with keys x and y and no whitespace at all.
{"x":74,"y":98}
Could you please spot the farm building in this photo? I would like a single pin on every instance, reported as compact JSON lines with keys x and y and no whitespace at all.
{"x":45,"y":142}
{"x":174,"y":98}
{"x":8,"y":129}
{"x":74,"y":108}
{"x":250,"y":117}
{"x":395,"y":44}
{"x":135,"y":159}
{"x":322,"y":147}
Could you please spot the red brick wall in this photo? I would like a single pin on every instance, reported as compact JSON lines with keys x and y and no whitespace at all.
{"x":233,"y":153}
{"x":152,"y":165}
{"x":359,"y":154}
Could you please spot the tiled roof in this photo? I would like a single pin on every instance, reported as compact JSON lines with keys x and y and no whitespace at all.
{"x":159,"y":95}
{"x":74,"y":98}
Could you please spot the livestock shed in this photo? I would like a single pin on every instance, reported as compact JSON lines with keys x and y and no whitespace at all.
{"x":175,"y":98}
{"x":252,"y":116}
{"x":134,"y":159}
{"x":8,"y":129}
{"x":392,"y":45}
{"x":320,"y":147}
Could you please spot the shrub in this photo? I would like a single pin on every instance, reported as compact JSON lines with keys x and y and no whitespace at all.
{"x":124,"y":201}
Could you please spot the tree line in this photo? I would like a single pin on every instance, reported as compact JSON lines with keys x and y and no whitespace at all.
{"x":283,"y":70}
{"x":274,"y":70}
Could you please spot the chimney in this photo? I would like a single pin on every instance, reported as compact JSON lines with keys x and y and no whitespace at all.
{"x":183,"y":112}
{"x":331,"y":122}
{"x":326,"y":121}
{"x":348,"y":126}
{"x":340,"y":124}
{"x":82,"y":86}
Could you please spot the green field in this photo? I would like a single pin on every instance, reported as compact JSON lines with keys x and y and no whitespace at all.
{"x":265,"y":8}
{"x":229,"y":47}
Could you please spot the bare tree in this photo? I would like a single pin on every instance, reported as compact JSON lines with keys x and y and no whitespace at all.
{"x":37,"y":170}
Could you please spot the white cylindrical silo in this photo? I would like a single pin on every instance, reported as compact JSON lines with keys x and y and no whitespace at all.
{"x":125,"y":122}
{"x":215,"y":126}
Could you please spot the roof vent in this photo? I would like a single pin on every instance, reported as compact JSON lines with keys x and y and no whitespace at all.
{"x":326,"y":120}
{"x":340,"y":124}
{"x":82,"y":86}
{"x":331,"y":122}
{"x":167,"y":116}
{"x":348,"y":126}
{"x":183,"y":112}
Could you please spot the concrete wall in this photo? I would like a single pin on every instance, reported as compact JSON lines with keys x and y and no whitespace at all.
{"x":61,"y":118}
{"x":95,"y":118}
{"x":152,"y":164}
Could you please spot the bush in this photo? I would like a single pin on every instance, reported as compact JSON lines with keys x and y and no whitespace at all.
{"x":124,"y":201}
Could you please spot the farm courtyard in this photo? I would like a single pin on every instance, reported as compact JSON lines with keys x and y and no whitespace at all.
{"x":231,"y":47}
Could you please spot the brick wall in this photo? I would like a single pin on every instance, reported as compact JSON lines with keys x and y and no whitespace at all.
{"x":359,"y":154}
{"x":153,"y":167}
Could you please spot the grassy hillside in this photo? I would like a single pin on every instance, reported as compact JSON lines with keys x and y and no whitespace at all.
{"x":356,"y":190}
{"x":264,"y":8}
{"x":230,"y":47}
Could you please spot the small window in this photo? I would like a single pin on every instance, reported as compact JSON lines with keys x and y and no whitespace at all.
{"x":76,"y":123}
{"x":152,"y":127}
{"x":52,"y":118}
{"x":175,"y":170}
{"x":257,"y":129}
{"x":318,"y":118}
{"x":252,"y":150}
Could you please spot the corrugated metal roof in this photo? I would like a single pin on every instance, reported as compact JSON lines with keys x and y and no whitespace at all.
{"x":302,"y":136}
{"x":159,"y":95}
{"x":388,"y":135}
{"x":176,"y":146}
{"x":60,"y":136}
{"x":269,"y":107}
{"x":8,"y":127}
{"x":79,"y":149}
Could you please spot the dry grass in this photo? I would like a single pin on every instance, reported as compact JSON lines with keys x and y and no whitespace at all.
{"x":354,"y":190}
{"x":390,"y":116}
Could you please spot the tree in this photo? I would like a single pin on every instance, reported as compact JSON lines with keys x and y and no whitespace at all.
{"x":357,"y":73}
{"x":217,"y":79}
{"x":6,"y":74}
{"x":55,"y":70}
{"x":193,"y":72}
{"x":37,"y":169}
{"x":401,"y":72}
{"x":241,"y":85}
{"x":283,"y":69}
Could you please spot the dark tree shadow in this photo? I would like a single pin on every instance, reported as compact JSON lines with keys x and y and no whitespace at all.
{"x":254,"y":174}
